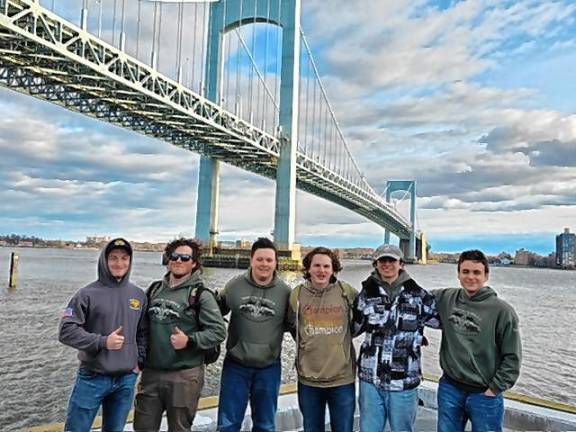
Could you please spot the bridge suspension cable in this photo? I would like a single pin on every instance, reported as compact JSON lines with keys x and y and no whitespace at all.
{"x":321,"y":137}
{"x":251,"y":66}
{"x":128,"y":92}
{"x":248,"y":87}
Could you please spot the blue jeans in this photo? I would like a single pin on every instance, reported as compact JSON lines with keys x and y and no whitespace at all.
{"x":114,"y":393}
{"x":456,"y":406}
{"x":239,"y":384}
{"x":379,"y":406}
{"x":341,"y":402}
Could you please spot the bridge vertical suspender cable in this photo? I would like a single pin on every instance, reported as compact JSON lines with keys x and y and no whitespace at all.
{"x":205,"y":46}
{"x":167,"y":115}
{"x":114,"y":24}
{"x":178,"y":60}
{"x":267,"y":29}
{"x":159,"y":43}
{"x":322,"y":137}
{"x":251,"y":75}
{"x":222,"y":88}
{"x":100,"y":19}
{"x":138,"y":28}
{"x":192,"y":67}
{"x":237,"y":98}
{"x":153,"y":54}
{"x":358,"y":179}
{"x":122,"y":33}
{"x":254,"y":65}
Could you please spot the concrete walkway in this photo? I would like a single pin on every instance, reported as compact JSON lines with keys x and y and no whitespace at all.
{"x":519,"y":416}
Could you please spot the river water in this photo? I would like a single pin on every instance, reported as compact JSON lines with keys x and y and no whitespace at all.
{"x":37,"y":372}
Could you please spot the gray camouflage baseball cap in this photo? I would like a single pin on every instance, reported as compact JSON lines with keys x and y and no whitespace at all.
{"x":388,"y":251}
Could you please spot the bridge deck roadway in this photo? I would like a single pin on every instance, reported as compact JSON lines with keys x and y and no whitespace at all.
{"x":48,"y":58}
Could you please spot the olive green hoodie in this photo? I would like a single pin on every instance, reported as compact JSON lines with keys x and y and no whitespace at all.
{"x":257,"y":319}
{"x":480,"y":339}
{"x":169,"y":308}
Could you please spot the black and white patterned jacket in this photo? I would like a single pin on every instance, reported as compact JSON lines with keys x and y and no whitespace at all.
{"x":393,"y":327}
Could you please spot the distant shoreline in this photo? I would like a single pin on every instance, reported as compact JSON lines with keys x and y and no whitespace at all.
{"x":158,"y":248}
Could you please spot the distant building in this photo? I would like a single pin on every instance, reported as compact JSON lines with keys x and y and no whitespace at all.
{"x":503,"y":258}
{"x":226,"y":244}
{"x":97,"y":239}
{"x":443,"y":257}
{"x":566,"y":249}
{"x":524,"y":257}
{"x":243,"y":244}
{"x":552,"y":260}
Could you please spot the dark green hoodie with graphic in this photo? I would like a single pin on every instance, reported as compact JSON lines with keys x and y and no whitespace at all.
{"x":169,"y":308}
{"x":480,"y":339}
{"x":257,"y":319}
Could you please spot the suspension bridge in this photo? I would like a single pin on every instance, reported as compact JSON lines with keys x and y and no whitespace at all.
{"x":233,"y":80}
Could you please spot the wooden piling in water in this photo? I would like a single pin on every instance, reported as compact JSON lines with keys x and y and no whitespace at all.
{"x":13,"y":278}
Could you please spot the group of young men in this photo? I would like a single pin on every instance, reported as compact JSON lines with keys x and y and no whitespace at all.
{"x":480,"y":352}
{"x":168,"y":333}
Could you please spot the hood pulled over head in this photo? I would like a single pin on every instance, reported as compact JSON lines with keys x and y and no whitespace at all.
{"x":104,"y":275}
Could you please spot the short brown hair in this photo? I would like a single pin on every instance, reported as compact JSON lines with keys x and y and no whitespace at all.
{"x":476,"y":256}
{"x":321,"y":250}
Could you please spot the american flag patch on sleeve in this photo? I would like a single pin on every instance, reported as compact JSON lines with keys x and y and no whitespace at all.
{"x":68,"y":312}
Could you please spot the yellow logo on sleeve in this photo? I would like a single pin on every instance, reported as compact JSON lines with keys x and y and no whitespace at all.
{"x":135,"y":304}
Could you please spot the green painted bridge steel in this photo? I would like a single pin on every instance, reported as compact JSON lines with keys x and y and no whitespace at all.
{"x":44,"y":56}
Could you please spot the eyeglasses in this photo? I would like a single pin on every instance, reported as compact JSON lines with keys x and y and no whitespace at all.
{"x":183,"y":257}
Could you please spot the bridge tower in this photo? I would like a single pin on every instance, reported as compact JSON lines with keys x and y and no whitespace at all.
{"x":408,"y":186}
{"x":225,"y":16}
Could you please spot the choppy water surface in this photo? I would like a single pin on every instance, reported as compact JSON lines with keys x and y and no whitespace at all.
{"x":37,"y":372}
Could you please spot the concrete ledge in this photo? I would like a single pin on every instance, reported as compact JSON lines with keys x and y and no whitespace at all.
{"x":522,"y":414}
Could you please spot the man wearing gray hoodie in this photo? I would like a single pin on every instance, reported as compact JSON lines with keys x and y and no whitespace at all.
{"x":106,"y":322}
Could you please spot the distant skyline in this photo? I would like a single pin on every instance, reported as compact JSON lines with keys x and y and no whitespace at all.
{"x":454,"y":245}
{"x":472,"y":99}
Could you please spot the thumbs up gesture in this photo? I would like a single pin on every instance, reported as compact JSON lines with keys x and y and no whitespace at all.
{"x":178,"y":339}
{"x":115,"y":340}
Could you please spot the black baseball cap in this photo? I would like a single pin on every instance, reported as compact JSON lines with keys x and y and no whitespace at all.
{"x":118,"y":243}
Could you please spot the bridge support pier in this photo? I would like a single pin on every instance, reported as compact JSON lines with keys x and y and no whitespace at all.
{"x":409,"y":186}
{"x":421,"y":252}
{"x":422,"y":249}
{"x":285,"y":214}
{"x":285,"y":210}
{"x":208,"y":202}
{"x":404,"y":246}
{"x":209,"y":171}
{"x":226,"y":17}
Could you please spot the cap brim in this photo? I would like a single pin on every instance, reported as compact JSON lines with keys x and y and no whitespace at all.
{"x":125,"y":248}
{"x":396,"y":257}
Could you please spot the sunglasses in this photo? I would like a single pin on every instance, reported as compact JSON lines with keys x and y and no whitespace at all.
{"x":183,"y":257}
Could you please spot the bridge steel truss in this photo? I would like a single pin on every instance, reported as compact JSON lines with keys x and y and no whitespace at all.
{"x":44,"y":56}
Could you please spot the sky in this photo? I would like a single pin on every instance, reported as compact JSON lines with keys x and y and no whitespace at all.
{"x":472,"y":99}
